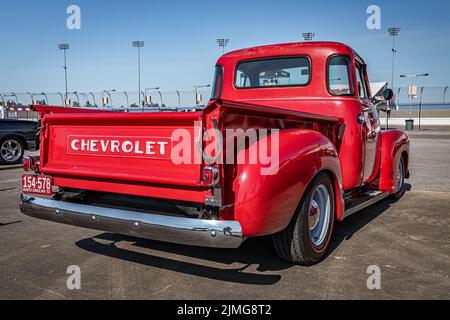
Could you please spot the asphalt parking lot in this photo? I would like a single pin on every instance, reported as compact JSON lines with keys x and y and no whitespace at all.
{"x":409,"y":241}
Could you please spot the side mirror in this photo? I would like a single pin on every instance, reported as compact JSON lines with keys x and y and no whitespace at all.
{"x":388,"y":94}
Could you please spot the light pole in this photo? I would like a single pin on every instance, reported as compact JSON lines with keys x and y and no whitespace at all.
{"x":160,"y":97}
{"x":62,"y":98}
{"x":126,"y":96}
{"x":308,"y":36}
{"x":196,"y":92}
{"x":93,"y":98}
{"x":15,"y":96}
{"x":445,"y":93}
{"x":179,"y":98}
{"x":31,"y":96}
{"x":46,"y":97}
{"x":64,"y":47}
{"x":412,"y":78}
{"x":420,"y":107}
{"x":222,"y":42}
{"x":139,"y":45}
{"x":393,"y":32}
{"x":78,"y":97}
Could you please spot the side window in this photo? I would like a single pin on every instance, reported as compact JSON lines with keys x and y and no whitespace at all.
{"x":340,"y":76}
{"x":362,"y":88}
{"x":218,"y":83}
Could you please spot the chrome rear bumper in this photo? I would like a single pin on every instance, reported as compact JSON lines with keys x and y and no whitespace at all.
{"x":195,"y":232}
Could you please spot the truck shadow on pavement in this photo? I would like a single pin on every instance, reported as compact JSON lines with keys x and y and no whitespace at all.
{"x":257,"y":252}
{"x":251,"y":252}
{"x":346,"y":229}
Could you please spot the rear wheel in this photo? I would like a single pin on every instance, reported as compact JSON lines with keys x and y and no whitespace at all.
{"x":400,"y":187}
{"x":11,"y":151}
{"x":306,"y":239}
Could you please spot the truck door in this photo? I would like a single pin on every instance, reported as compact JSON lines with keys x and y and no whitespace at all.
{"x":370,"y":126}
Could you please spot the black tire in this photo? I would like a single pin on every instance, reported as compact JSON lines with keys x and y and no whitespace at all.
{"x":5,"y":155}
{"x":401,"y":189}
{"x":295,"y":244}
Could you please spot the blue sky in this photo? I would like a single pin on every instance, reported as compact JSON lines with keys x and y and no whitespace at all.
{"x":180,"y":39}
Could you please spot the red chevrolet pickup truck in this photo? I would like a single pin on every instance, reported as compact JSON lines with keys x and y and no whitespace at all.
{"x":289,"y":143}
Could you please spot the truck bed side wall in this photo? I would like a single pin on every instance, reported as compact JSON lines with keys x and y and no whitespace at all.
{"x":265,"y":204}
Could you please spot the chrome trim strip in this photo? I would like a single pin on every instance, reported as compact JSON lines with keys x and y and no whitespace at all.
{"x":189,"y":231}
{"x":366,"y":204}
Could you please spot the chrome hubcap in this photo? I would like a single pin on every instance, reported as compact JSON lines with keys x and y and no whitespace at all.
{"x":313,"y":215}
{"x":11,"y":150}
{"x":319,"y":215}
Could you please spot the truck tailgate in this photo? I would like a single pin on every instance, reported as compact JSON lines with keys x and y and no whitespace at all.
{"x":130,"y":148}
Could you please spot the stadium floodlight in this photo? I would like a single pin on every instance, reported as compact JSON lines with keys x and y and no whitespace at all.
{"x":139,"y":45}
{"x":64,"y":47}
{"x":393,"y":32}
{"x":308,"y":36}
{"x":222,"y":42}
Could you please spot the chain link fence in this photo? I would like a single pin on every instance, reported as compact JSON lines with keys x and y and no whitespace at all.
{"x":429,"y":102}
{"x":16,"y":105}
{"x":428,"y":96}
{"x":430,"y":105}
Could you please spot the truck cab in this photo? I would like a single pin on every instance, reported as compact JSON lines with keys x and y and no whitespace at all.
{"x":289,"y":143}
{"x":331,"y":81}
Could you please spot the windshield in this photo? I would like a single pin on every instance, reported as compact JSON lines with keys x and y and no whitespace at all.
{"x":274,"y":72}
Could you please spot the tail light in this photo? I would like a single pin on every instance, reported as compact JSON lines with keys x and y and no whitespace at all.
{"x":30,"y":164}
{"x":210,"y":176}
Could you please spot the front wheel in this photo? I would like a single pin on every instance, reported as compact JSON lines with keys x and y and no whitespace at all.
{"x":400,"y":188}
{"x":306,"y":239}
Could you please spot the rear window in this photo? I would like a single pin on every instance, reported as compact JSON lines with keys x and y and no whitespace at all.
{"x":274,"y":72}
{"x":339,"y":76}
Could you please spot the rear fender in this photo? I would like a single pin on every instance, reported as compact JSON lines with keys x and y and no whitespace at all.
{"x":394,"y":145}
{"x":265,"y":204}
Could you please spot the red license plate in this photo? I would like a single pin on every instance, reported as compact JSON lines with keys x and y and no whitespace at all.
{"x":37,"y":184}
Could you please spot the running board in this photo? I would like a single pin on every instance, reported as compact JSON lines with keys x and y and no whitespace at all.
{"x":368,"y":198}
